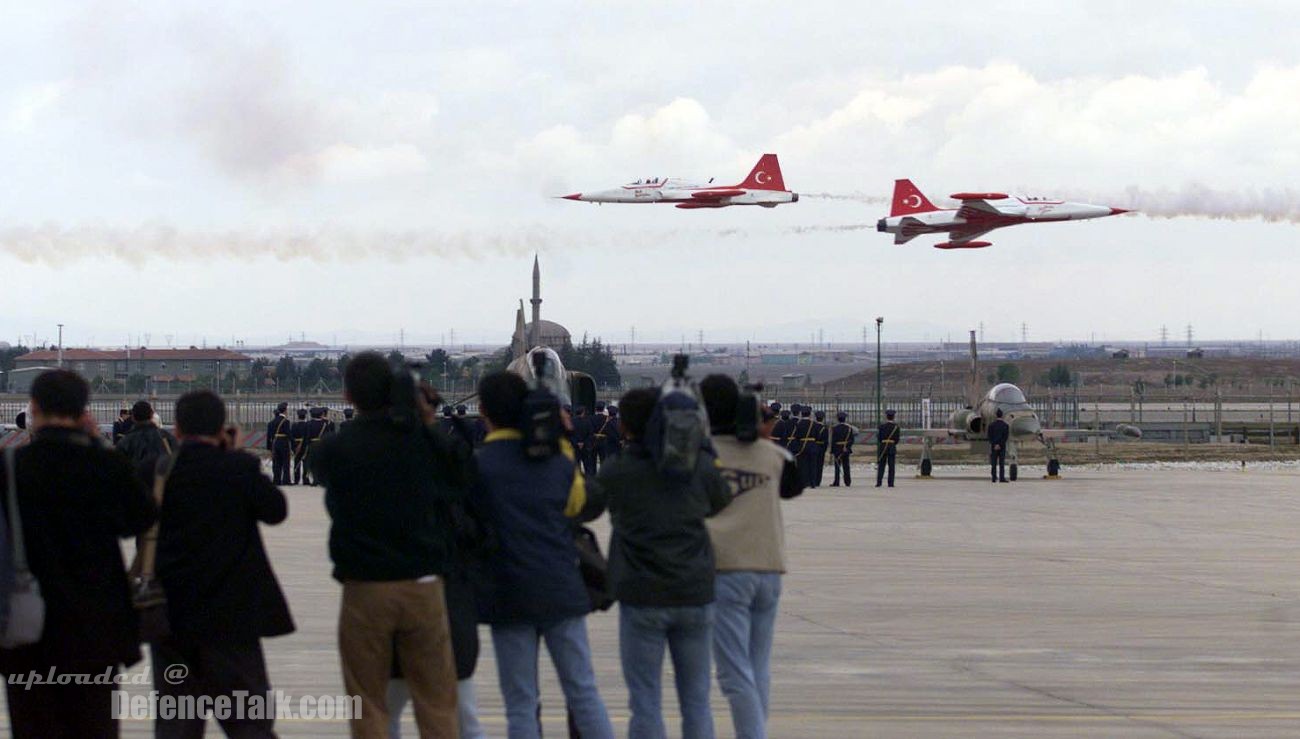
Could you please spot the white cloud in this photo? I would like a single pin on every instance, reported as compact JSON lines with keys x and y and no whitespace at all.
{"x":33,"y":105}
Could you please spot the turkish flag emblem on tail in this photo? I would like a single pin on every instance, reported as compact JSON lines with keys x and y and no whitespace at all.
{"x":766,"y":175}
{"x":909,"y":200}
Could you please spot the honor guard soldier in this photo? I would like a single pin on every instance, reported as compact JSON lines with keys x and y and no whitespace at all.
{"x":803,"y":446}
{"x":887,"y":448}
{"x":298,"y":439}
{"x":347,"y":418}
{"x":279,"y":441}
{"x":822,"y":438}
{"x":842,"y":438}
{"x":784,"y":427}
{"x":999,"y":435}
{"x":602,"y":427}
{"x":318,"y":428}
{"x":445,"y":423}
{"x":582,"y":438}
{"x":613,"y":441}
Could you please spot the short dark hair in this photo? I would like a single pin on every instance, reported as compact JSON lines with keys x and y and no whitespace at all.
{"x":124,"y":412}
{"x":721,"y":398}
{"x":141,"y":411}
{"x":61,"y":394}
{"x":501,"y":398}
{"x":200,"y":413}
{"x":369,"y":382}
{"x":637,"y":407}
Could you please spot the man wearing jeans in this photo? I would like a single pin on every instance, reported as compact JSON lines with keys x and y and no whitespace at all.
{"x":533,"y":591}
{"x":749,"y":547}
{"x":661,"y":570}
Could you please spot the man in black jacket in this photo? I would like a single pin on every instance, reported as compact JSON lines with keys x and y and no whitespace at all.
{"x":145,"y":442}
{"x":387,"y":485}
{"x":661,"y":570}
{"x":999,"y":435}
{"x":76,"y":499}
{"x":222,"y":596}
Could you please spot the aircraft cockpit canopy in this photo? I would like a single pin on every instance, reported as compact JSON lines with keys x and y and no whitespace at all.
{"x":1007,"y":394}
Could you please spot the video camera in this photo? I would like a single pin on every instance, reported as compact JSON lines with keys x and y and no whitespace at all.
{"x":749,"y":413}
{"x":407,"y":389}
{"x":541,"y":425}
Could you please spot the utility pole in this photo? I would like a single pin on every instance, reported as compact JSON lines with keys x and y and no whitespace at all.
{"x":1164,"y":335}
{"x":880,"y":320}
{"x":981,"y":330}
{"x":1190,"y":334}
{"x":1024,"y":334}
{"x":60,"y":345}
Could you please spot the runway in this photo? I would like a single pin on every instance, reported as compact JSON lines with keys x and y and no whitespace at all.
{"x":1110,"y":603}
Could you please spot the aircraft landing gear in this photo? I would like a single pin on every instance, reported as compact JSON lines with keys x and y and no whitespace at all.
{"x":926,"y":464}
{"x":1014,"y":472}
{"x":1053,"y":463}
{"x":1013,"y":460}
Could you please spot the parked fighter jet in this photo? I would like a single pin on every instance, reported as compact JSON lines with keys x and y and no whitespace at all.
{"x":971,"y":423}
{"x":764,"y":186}
{"x":913,"y":214}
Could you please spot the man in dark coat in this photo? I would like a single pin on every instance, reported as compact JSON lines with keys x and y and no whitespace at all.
{"x":298,"y":437}
{"x":222,"y":596}
{"x":999,"y":435}
{"x":279,"y":441}
{"x":318,"y":428}
{"x":122,"y":425}
{"x":803,"y":446}
{"x":582,"y":438}
{"x":77,"y":499}
{"x":145,"y":442}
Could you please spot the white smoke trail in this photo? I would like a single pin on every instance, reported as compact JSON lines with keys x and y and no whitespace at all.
{"x":1199,"y":201}
{"x":857,"y":197}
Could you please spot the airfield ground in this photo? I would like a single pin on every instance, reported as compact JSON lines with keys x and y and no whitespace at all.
{"x":1111,"y":603}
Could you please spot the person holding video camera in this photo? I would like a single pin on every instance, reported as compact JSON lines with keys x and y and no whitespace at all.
{"x":529,"y":491}
{"x":659,"y":491}
{"x":748,"y":539}
{"x":388,"y":478}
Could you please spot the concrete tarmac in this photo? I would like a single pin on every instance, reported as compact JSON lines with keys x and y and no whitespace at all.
{"x":1109,"y":603}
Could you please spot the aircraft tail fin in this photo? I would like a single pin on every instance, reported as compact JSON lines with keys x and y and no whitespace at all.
{"x":908,"y":199}
{"x":766,"y":175}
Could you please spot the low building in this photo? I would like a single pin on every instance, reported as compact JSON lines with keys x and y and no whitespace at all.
{"x":159,"y":365}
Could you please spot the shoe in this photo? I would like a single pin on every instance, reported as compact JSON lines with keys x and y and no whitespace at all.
{"x":1004,"y":481}
{"x":891,"y":485}
{"x":877,"y":484}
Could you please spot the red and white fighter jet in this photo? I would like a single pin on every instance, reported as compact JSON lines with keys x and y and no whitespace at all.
{"x":913,"y":214}
{"x":764,"y":186}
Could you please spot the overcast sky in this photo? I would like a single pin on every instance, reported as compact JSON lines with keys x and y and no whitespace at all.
{"x":347,"y":170}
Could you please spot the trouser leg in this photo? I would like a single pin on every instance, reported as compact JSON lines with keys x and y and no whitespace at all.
{"x":690,"y":643}
{"x":425,"y":654}
{"x":570,"y":652}
{"x":642,"y":636}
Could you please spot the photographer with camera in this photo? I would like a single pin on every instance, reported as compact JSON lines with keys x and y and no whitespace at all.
{"x":749,"y":548}
{"x":528,"y":493}
{"x":388,"y":477}
{"x":659,"y":491}
{"x":222,"y":595}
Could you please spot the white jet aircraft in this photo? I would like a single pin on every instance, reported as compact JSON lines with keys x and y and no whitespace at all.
{"x":764,"y":186}
{"x":913,"y":214}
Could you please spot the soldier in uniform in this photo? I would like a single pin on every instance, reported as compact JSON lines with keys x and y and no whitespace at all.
{"x":781,"y":431}
{"x":842,"y":438}
{"x":601,"y":429}
{"x":887,"y":436}
{"x":614,"y":441}
{"x":445,"y":423}
{"x":298,"y":438}
{"x":803,"y":445}
{"x":822,"y":436}
{"x":279,"y":443}
{"x":999,"y":435}
{"x":347,"y":418}
{"x":317,"y":429}
{"x":582,"y":438}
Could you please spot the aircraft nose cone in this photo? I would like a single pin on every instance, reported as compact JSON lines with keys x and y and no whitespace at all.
{"x":574,"y":196}
{"x":1118,"y":211}
{"x":1025,"y":426}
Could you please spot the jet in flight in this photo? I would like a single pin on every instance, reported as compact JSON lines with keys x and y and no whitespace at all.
{"x":764,"y":186}
{"x":913,"y":214}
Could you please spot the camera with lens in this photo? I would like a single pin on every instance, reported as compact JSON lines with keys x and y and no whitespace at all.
{"x":541,"y":426}
{"x":407,"y":389}
{"x":749,"y":413}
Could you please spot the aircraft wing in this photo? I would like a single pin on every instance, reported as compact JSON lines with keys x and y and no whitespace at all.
{"x":977,"y":209}
{"x":962,"y":235}
{"x":718,"y":194}
{"x":1121,"y":430}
